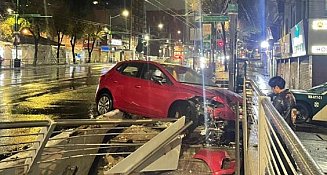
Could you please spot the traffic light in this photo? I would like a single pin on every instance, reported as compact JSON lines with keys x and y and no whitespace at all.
{"x":220,"y":43}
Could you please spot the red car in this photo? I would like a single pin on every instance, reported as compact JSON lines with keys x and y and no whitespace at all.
{"x":157,"y":90}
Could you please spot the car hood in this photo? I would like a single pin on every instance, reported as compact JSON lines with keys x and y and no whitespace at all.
{"x":298,"y":91}
{"x":303,"y":92}
{"x":212,"y":91}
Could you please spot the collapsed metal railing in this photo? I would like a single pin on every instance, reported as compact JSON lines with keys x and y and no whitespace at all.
{"x":38,"y":147}
{"x":279,"y":149}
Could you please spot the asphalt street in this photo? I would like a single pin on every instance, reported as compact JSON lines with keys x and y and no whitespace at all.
{"x":49,"y":92}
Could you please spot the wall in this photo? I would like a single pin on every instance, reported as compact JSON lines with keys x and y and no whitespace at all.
{"x":305,"y":73}
{"x":316,"y":8}
{"x":293,"y":74}
{"x":319,"y":71}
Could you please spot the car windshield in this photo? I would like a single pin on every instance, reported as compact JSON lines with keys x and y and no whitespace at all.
{"x":320,"y":89}
{"x":187,"y":75}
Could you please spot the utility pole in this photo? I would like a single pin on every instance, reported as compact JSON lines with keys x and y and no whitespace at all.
{"x":232,"y":11}
{"x":131,"y":29}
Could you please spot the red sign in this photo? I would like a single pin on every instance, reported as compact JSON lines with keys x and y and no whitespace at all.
{"x":220,"y":43}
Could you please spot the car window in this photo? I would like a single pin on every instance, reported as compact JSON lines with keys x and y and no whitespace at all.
{"x":321,"y":89}
{"x":186,"y":75}
{"x":151,"y":72}
{"x":131,"y":70}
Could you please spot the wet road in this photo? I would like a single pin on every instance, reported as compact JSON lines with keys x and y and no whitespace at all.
{"x":64,"y":91}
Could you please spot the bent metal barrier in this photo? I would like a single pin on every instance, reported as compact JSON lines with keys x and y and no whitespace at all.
{"x":35,"y":147}
{"x":279,"y":149}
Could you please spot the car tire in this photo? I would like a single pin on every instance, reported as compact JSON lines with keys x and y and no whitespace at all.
{"x":104,"y":103}
{"x":188,"y":110}
{"x":303,"y":112}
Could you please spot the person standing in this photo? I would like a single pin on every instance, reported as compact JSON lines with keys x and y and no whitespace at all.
{"x":284,"y":102}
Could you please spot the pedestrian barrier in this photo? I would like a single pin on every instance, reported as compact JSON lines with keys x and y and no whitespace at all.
{"x":71,"y":146}
{"x":279,"y":149}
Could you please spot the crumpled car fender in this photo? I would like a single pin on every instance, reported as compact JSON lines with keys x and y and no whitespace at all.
{"x":215,"y":160}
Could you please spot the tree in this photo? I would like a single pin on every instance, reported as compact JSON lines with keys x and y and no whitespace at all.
{"x":35,"y":27}
{"x":7,"y":27}
{"x":78,"y":10}
{"x":75,"y":31}
{"x":35,"y":24}
{"x":93,"y":33}
{"x":59,"y":25}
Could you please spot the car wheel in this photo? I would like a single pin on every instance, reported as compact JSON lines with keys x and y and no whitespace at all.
{"x":188,"y":110}
{"x":104,"y":103}
{"x":303,"y":112}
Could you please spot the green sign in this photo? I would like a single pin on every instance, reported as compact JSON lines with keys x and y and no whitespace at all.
{"x":215,"y":18}
{"x":207,"y":45}
{"x":232,"y":9}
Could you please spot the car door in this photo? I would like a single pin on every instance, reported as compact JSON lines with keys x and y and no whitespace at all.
{"x":129,"y":82}
{"x":156,"y":92}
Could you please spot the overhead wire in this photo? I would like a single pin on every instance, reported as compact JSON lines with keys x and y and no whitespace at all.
{"x":183,"y":20}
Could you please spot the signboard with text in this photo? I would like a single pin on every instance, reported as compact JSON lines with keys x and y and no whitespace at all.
{"x":206,"y":35}
{"x":298,"y":40}
{"x":215,"y":18}
{"x":317,"y":36}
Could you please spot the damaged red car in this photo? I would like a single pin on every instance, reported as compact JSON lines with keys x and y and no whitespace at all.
{"x":158,"y":90}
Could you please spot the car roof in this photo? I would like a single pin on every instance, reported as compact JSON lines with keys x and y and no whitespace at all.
{"x":154,"y":62}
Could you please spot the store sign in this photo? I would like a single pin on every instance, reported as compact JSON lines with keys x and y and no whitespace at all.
{"x":319,"y":24}
{"x":206,"y":34}
{"x":317,"y":36}
{"x":298,"y":40}
{"x":116,"y":42}
{"x":319,"y":49}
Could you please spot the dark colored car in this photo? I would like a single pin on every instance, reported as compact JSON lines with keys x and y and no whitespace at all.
{"x":311,"y":103}
{"x":157,"y":90}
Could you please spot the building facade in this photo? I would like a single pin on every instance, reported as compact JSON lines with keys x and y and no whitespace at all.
{"x":303,"y":42}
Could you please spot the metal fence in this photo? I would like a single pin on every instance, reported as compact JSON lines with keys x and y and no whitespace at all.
{"x":71,"y":146}
{"x":279,"y":149}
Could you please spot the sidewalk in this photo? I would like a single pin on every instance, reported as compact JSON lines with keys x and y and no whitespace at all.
{"x":48,"y":65}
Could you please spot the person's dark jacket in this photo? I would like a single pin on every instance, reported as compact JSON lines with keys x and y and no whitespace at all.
{"x":284,"y":102}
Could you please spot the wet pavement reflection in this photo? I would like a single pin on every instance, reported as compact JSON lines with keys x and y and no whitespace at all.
{"x":60,"y":91}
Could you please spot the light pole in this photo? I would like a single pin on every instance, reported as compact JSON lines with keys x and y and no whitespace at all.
{"x":147,"y":39}
{"x":16,"y":36}
{"x":125,"y":13}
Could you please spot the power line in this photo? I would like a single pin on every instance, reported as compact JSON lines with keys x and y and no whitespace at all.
{"x":169,"y":13}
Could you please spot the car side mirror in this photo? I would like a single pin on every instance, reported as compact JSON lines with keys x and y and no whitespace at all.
{"x":159,"y":79}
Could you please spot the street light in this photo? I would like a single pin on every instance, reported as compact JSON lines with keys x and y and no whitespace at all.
{"x":179,"y":32}
{"x":160,"y":26}
{"x":10,"y":11}
{"x":264,"y":44}
{"x":124,"y":13}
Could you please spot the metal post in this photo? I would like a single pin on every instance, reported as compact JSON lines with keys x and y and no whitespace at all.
{"x":237,"y":139}
{"x":110,"y":23}
{"x":232,"y":59}
{"x":131,"y":28}
{"x":245,"y":128}
{"x":148,"y":45}
{"x":16,"y":32}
